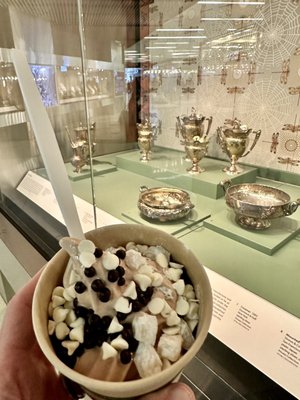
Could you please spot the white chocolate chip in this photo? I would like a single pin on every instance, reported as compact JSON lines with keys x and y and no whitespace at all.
{"x":134,"y":259}
{"x":69,"y":293}
{"x":190,"y":295}
{"x":71,"y":345}
{"x":71,"y":317}
{"x":131,"y":245}
{"x":143,"y":280}
{"x":156,"y":305}
{"x":173,"y":274}
{"x":51,"y":327}
{"x":145,"y":328}
{"x":69,"y":305}
{"x":182,"y":306}
{"x":146,"y":269}
{"x":162,"y":260}
{"x":175,"y":265}
{"x":60,"y":314}
{"x":130,"y":291}
{"x":78,"y":322}
{"x":77,"y":334}
{"x":108,"y":351}
{"x":147,"y":360}
{"x":171,"y":330}
{"x":109,"y":261}
{"x":193,"y":312}
{"x":57,"y":301}
{"x":119,"y":343}
{"x":166,"y":310}
{"x":179,"y":286}
{"x":86,"y":246}
{"x":122,"y":305}
{"x":169,"y":347}
{"x":173,"y":319}
{"x":115,"y":326}
{"x":188,"y":288}
{"x":87,"y":259}
{"x":61,"y":330}
{"x":157,"y":279}
{"x":58,"y":291}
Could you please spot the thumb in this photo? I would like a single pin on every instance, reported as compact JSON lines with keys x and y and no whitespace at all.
{"x":174,"y":391}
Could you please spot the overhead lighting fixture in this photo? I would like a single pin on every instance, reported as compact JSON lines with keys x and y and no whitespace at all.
{"x":175,"y":37}
{"x":231,"y":19}
{"x":244,"y":3}
{"x":179,"y":29}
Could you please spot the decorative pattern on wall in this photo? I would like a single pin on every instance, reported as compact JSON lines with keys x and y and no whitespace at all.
{"x":243,"y":62}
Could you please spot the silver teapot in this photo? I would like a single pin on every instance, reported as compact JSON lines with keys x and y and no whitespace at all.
{"x":233,"y":137}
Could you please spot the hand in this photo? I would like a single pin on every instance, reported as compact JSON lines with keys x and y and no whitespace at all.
{"x":25,"y":372}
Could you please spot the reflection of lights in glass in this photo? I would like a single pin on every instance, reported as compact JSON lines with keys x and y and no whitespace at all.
{"x":175,"y":37}
{"x":160,"y":47}
{"x":241,"y":3}
{"x":231,"y":19}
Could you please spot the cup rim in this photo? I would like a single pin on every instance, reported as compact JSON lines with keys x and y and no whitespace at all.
{"x":124,"y":388}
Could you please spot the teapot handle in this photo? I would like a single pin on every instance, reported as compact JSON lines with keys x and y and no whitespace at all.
{"x":257,"y":136}
{"x":291,"y":207}
{"x":208,"y":126}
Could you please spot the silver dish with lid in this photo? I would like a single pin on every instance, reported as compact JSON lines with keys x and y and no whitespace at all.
{"x":163,"y":203}
{"x":255,"y":204}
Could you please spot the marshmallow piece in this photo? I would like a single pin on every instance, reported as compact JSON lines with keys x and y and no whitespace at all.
{"x":108,"y":351}
{"x":173,"y":274}
{"x":71,"y":345}
{"x":61,"y":330}
{"x":122,"y":305}
{"x":179,"y":286}
{"x":69,"y":293}
{"x":58,"y":291}
{"x":157,"y":279}
{"x":86,"y":246}
{"x":119,"y":343}
{"x":134,"y":259}
{"x":193,"y":312}
{"x":187,"y":335}
{"x":169,"y":347}
{"x":51,"y":327}
{"x":171,"y":330}
{"x":145,"y":328}
{"x":57,"y":301}
{"x":156,"y":305}
{"x":130,"y":291}
{"x":87,"y":259}
{"x":77,"y":334}
{"x":71,"y":317}
{"x":109,"y":261}
{"x":182,"y":306}
{"x":60,"y":314}
{"x":173,"y":319}
{"x":146,"y":360}
{"x":78,"y":322}
{"x":175,"y":265}
{"x":162,"y":260}
{"x":143,"y":280}
{"x":115,"y":326}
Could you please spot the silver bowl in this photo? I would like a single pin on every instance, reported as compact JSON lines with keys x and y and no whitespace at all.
{"x":163,"y":203}
{"x":255,"y":204}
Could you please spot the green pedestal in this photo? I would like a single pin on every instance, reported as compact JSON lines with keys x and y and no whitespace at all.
{"x":170,"y":167}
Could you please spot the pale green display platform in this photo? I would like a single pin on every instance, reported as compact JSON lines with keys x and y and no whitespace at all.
{"x":268,"y":241}
{"x":169,"y":166}
{"x":171,"y":227}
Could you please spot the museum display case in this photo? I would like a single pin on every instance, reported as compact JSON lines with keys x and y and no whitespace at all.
{"x":157,"y":110}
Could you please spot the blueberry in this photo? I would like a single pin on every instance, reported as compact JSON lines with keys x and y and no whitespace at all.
{"x":98,"y":252}
{"x":81,"y":311}
{"x":89,"y":272}
{"x":121,"y":271}
{"x":97,"y":285}
{"x":121,"y":316}
{"x":121,"y":254}
{"x":149,"y":292}
{"x":125,"y":356}
{"x":104,"y":295}
{"x":133,"y":344}
{"x":121,"y":281}
{"x":113,"y":275}
{"x":136,"y":306}
{"x":80,"y":287}
{"x":106,"y":321}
